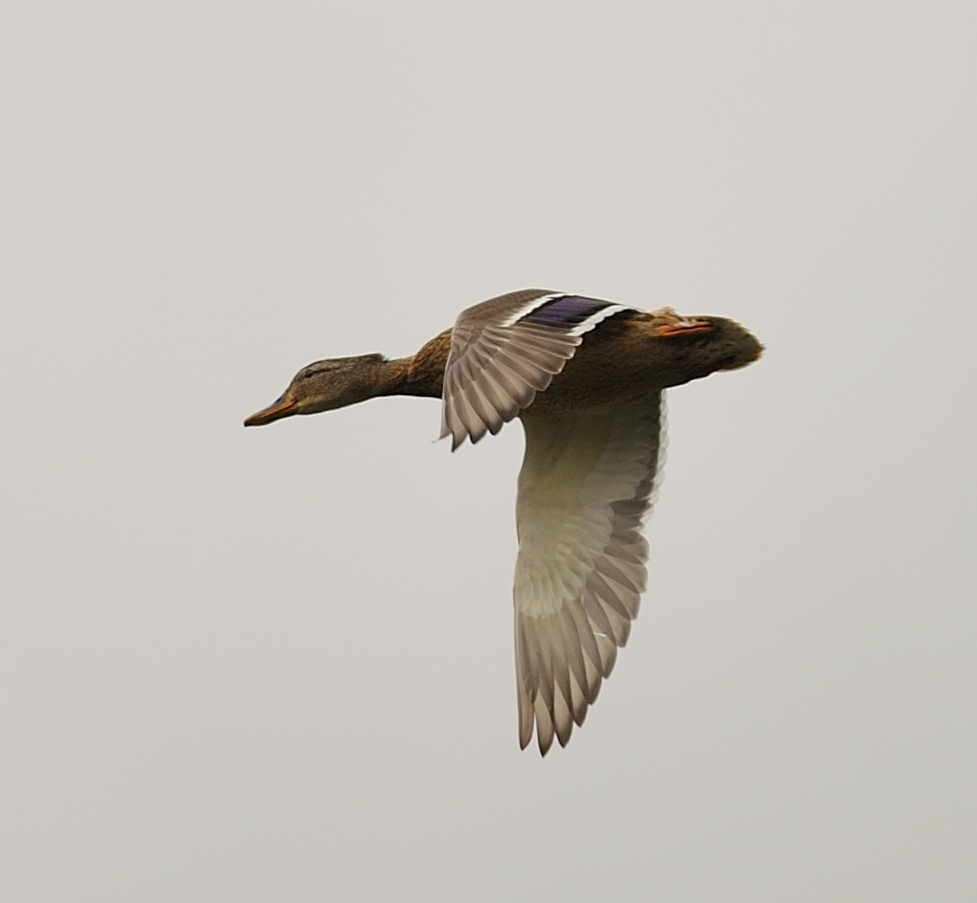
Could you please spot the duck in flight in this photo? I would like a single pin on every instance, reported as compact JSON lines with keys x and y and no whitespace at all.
{"x":586,"y":377}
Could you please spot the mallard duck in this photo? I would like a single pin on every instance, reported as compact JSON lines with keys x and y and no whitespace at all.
{"x":587,"y":379}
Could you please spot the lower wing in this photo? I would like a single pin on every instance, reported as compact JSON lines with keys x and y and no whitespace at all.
{"x":586,"y":483}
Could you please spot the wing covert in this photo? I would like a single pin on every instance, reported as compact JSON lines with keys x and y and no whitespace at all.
{"x":505,"y":350}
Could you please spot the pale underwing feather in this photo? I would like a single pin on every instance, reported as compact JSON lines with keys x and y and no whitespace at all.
{"x":586,"y":483}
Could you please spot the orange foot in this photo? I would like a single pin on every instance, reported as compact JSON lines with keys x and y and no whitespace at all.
{"x":683,"y":327}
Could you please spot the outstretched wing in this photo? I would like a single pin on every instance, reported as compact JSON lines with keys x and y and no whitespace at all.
{"x":586,"y":483}
{"x":505,"y":350}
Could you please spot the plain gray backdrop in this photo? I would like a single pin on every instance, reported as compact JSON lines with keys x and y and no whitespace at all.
{"x":276,"y":664}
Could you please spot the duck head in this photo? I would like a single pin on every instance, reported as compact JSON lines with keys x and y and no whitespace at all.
{"x":325,"y":386}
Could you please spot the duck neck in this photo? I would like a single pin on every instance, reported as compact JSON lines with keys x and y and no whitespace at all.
{"x":421,"y":374}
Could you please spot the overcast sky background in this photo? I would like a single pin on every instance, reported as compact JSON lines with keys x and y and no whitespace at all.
{"x":276,"y":664}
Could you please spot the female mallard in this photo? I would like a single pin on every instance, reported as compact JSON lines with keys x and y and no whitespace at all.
{"x":592,"y":411}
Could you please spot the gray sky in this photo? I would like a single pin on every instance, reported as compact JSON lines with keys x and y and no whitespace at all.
{"x":276,"y":664}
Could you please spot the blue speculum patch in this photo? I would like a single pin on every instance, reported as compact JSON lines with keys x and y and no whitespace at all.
{"x":565,"y":312}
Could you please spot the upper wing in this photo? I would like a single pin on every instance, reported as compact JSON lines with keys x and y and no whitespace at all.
{"x":505,"y":350}
{"x":586,"y":482}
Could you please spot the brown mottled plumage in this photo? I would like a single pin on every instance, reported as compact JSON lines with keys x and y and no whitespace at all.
{"x":586,"y":377}
{"x":625,"y":358}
